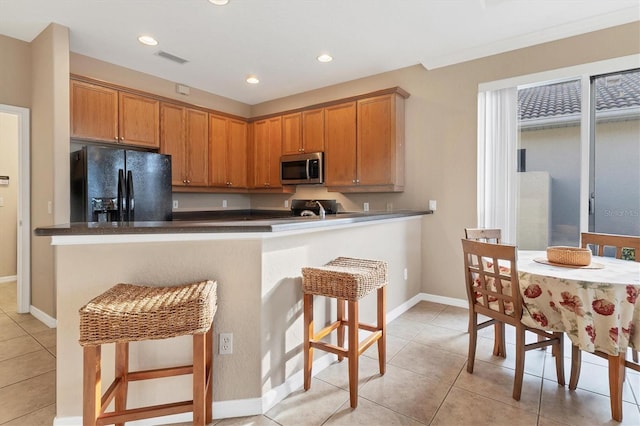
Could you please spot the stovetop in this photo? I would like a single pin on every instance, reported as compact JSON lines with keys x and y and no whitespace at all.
{"x":305,"y":207}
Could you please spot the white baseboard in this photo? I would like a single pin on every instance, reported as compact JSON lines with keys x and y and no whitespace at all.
{"x":258,"y":406}
{"x":451,"y":301}
{"x":45,"y":318}
{"x":8,"y":279}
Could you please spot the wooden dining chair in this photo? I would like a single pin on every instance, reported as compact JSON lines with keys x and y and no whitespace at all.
{"x":627,"y":247}
{"x":490,"y":235}
{"x":491,"y":275}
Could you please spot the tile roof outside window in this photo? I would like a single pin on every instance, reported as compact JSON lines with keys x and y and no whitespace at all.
{"x":562,"y":99}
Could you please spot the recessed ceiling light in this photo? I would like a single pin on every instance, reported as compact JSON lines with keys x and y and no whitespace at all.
{"x":252,"y":79}
{"x":325,"y":58}
{"x":219,"y":2}
{"x":148,"y":40}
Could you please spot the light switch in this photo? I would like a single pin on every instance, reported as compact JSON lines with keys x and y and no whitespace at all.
{"x":433,"y":205}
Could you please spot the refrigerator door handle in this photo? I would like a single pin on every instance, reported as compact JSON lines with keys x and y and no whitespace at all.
{"x":130,"y":198}
{"x":122,"y":189}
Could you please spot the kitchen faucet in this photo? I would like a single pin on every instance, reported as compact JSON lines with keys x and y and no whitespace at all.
{"x":322,"y":211}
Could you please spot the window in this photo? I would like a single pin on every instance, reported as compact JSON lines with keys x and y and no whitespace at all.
{"x":574,"y":162}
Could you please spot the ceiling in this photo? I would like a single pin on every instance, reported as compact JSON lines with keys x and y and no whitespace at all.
{"x":279,"y":40}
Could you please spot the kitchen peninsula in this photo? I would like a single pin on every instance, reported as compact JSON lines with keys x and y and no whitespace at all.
{"x":256,"y":264}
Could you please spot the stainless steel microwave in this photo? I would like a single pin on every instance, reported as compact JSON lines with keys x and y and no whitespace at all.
{"x":301,"y":169}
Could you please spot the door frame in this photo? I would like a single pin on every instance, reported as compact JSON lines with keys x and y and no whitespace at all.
{"x":23,"y":267}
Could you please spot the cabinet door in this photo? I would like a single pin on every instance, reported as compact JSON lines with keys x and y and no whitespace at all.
{"x":267,"y":151}
{"x":261,"y":154}
{"x":340,"y":144}
{"x":197,"y":147}
{"x":218,"y":150}
{"x":237,"y":153}
{"x":94,"y":112}
{"x":292,"y":134}
{"x":275,"y":151}
{"x":139,"y":120}
{"x":313,"y":130}
{"x":376,"y":143}
{"x":172,"y":140}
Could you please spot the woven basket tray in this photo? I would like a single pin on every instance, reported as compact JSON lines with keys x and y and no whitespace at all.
{"x":569,"y":255}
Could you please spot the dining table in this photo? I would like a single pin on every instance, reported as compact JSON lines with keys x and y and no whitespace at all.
{"x":597,"y":306}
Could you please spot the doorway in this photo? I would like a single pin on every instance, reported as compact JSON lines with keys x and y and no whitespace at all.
{"x":23,"y":222}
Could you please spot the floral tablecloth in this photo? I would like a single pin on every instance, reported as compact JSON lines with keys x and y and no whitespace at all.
{"x":599,"y":309}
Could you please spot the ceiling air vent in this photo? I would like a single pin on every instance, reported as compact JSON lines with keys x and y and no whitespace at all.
{"x":171,"y":57}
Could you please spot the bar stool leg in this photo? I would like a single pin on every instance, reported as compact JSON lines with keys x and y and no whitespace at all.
{"x":199,"y":379}
{"x":308,"y":335}
{"x":122,"y":372}
{"x":341,"y":318}
{"x":382,"y":326}
{"x":354,"y":343}
{"x":92,"y":392}
{"x":209,"y":377}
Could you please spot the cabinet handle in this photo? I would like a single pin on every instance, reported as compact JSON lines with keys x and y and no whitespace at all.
{"x":116,"y":138}
{"x":353,"y":181}
{"x":357,"y":180}
{"x":121,"y":139}
{"x":188,"y":181}
{"x":184,"y":181}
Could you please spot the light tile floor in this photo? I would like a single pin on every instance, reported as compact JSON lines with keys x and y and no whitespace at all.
{"x":426,"y":382}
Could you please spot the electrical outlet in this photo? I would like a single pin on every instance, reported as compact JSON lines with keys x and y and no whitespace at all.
{"x":224,"y":204}
{"x":175,"y":204}
{"x":286,"y":204}
{"x":406,"y":274}
{"x":225,"y":346}
{"x":366,"y":207}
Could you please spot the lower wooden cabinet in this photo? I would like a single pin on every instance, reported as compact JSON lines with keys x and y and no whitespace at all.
{"x":227,"y":152}
{"x":184,"y":134}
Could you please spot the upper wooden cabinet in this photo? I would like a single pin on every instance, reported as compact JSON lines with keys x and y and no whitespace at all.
{"x":313,"y":130}
{"x":292,"y":133}
{"x":138,"y":120}
{"x":381,"y":142}
{"x":227,"y":152}
{"x":267,"y":149}
{"x":103,"y":114}
{"x":185,"y":136}
{"x":365,"y":144}
{"x":340,"y":145}
{"x":94,"y":112}
{"x":303,"y":132}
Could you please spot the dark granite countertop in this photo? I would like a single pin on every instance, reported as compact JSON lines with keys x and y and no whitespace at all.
{"x":226,"y":221}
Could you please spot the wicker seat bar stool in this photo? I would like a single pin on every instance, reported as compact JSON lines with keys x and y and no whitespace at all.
{"x":345,"y":279}
{"x":127,"y":313}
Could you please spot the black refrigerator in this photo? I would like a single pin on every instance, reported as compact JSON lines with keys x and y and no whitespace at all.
{"x":118,"y":185}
